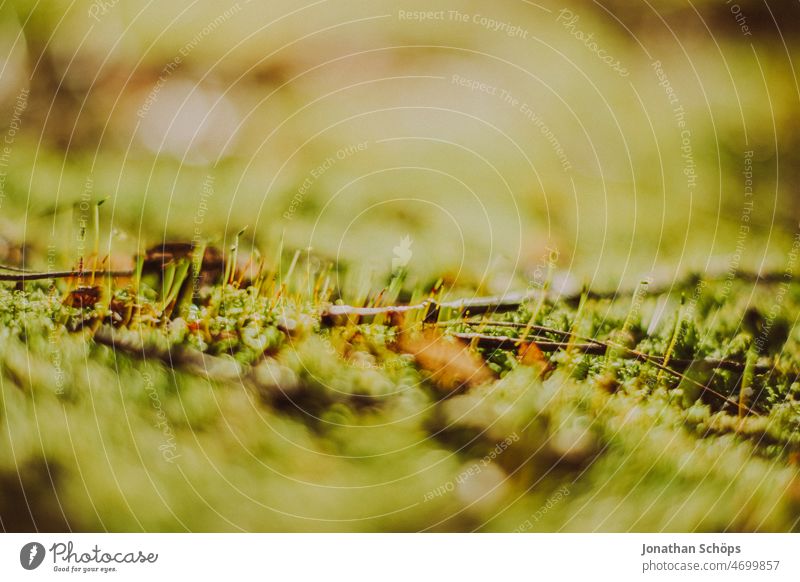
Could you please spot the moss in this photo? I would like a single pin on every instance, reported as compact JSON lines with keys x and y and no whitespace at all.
{"x":315,"y":423}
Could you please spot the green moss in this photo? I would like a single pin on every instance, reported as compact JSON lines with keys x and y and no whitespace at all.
{"x":307,"y":425}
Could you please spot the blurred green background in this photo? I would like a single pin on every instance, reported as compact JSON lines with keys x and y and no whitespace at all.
{"x":491,"y":134}
{"x":488,"y":131}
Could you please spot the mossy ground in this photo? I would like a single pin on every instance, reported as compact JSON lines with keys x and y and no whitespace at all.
{"x":240,"y":409}
{"x":334,"y":128}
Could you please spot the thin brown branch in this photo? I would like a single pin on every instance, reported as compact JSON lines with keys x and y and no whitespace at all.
{"x":512,"y":343}
{"x":476,"y":305}
{"x":14,"y":269}
{"x":599,"y":348}
{"x":717,"y":363}
{"x":33,"y":276}
{"x":497,"y":304}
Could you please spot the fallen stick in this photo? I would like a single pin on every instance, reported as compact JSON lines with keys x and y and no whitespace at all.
{"x":596,"y":347}
{"x":501,"y":303}
{"x":599,"y":348}
{"x":476,"y":305}
{"x":34,"y":276}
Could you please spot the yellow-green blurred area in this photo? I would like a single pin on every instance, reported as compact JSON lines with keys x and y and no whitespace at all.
{"x":485,"y":131}
{"x":471,"y":141}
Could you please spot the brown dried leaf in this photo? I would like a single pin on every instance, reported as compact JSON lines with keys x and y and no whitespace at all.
{"x":84,"y":296}
{"x":156,"y":257}
{"x":531,"y":355}
{"x":450,"y":363}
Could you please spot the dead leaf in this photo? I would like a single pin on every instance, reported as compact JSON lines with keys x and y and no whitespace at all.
{"x":448,"y":361}
{"x":84,"y":297}
{"x":155,"y":258}
{"x":531,"y":355}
